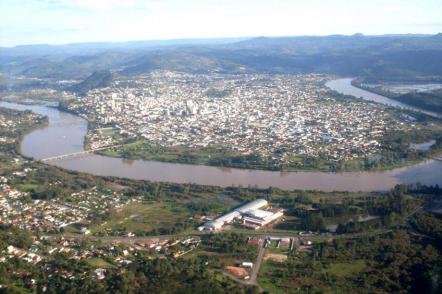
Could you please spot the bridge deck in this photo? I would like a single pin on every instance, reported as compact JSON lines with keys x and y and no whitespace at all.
{"x":59,"y":157}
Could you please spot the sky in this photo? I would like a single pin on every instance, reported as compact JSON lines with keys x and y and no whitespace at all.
{"x":71,"y":21}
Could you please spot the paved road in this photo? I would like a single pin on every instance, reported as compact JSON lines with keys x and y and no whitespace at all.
{"x":119,"y":239}
{"x":131,"y":240}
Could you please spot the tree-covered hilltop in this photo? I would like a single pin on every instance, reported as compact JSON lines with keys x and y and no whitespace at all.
{"x":98,"y":79}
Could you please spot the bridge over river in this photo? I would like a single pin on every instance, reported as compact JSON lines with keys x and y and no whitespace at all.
{"x":78,"y":154}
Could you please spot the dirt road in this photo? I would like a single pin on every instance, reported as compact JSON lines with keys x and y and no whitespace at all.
{"x":256,"y":266}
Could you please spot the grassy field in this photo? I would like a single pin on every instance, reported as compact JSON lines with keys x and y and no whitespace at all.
{"x":345,"y":269}
{"x":28,"y":187}
{"x":268,"y":281}
{"x":145,"y":217}
{"x":110,"y":132}
{"x":98,"y":263}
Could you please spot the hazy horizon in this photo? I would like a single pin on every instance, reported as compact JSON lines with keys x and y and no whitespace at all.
{"x":227,"y":39}
{"x":57,"y":22}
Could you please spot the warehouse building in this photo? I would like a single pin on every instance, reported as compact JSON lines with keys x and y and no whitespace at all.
{"x":258,"y":218}
{"x":250,"y":214}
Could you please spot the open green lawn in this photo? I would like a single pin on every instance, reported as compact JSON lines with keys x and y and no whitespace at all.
{"x":28,"y":187}
{"x":109,"y":132}
{"x":98,"y":263}
{"x":345,"y":269}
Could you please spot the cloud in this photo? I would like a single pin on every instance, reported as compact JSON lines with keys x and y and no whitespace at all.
{"x":97,"y":5}
{"x":423,"y":24}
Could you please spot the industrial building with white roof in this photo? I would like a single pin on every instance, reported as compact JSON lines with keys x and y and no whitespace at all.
{"x":250,"y":214}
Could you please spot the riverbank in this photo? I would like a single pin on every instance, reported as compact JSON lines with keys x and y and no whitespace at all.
{"x":25,"y":127}
{"x":428,"y":101}
{"x":65,"y":134}
{"x":220,"y":157}
{"x":210,"y":156}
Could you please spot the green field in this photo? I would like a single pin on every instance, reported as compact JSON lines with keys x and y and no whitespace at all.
{"x":98,"y":263}
{"x":345,"y":269}
{"x":269,"y":281}
{"x":145,"y":217}
{"x":28,"y":187}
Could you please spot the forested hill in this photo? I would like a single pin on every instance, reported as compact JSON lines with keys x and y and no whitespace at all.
{"x":431,"y":100}
{"x":376,"y":57}
{"x":98,"y":79}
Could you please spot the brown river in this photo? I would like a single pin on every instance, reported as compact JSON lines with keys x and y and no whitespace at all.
{"x":65,"y":134}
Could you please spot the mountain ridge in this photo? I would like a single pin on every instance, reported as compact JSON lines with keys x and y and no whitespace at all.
{"x":382,"y":57}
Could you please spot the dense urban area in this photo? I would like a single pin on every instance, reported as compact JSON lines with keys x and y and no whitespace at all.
{"x":65,"y":231}
{"x":285,"y":122}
